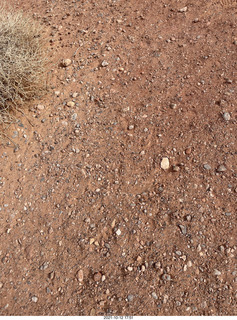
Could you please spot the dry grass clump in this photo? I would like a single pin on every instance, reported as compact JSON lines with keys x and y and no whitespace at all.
{"x":22,"y":60}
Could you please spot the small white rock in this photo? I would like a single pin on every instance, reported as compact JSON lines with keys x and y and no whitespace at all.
{"x":34,"y":299}
{"x":184,"y":9}
{"x":217,"y":272}
{"x":104,"y":63}
{"x":226,"y":116}
{"x":40,"y":107}
{"x":165,"y":164}
{"x":118,"y":232}
{"x":71,"y":104}
{"x":67,"y":62}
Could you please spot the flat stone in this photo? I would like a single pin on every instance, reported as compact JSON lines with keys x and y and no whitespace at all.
{"x":207,"y":166}
{"x":71,"y":104}
{"x":184,"y":9}
{"x":221,"y":168}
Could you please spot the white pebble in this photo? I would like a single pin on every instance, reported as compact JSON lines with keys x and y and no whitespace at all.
{"x":165,"y":164}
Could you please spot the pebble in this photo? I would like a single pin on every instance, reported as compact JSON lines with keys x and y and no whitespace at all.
{"x":34,"y":299}
{"x":74,"y":116}
{"x":176,"y":168}
{"x":207,"y":166}
{"x":166,"y":277}
{"x":189,"y":264}
{"x":130,"y":297}
{"x":118,"y":232}
{"x":182,"y":228}
{"x":51,"y":275}
{"x":165,"y":164}
{"x":184,"y":9}
{"x":221,"y":168}
{"x":66,"y":62}
{"x":173,"y":105}
{"x":80,"y":275}
{"x":154,"y":295}
{"x":1,"y":285}
{"x":71,"y":104}
{"x":57,"y":93}
{"x":131,"y":127}
{"x":217,"y":272}
{"x":226,"y":116}
{"x":97,"y":276}
{"x":40,"y":107}
{"x":104,"y":63}
{"x":188,"y":151}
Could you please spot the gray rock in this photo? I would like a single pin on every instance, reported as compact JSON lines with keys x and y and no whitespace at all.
{"x":207,"y":166}
{"x":130,"y":297}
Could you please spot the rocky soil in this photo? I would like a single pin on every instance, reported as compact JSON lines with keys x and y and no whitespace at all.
{"x":118,"y":196}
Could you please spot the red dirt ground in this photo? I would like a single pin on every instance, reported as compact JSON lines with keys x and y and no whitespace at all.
{"x":90,"y":222}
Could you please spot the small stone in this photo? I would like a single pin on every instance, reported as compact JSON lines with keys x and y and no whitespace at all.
{"x":165,"y":164}
{"x":40,"y":107}
{"x":34,"y":299}
{"x":188,"y":151}
{"x":1,"y":285}
{"x":173,"y":105}
{"x":207,"y":166}
{"x":57,"y":93}
{"x":217,"y":272}
{"x":131,"y":127}
{"x":71,"y":104}
{"x":182,"y":228}
{"x":184,"y":9}
{"x":154,"y":295}
{"x":221,"y":168}
{"x":103,"y":278}
{"x":75,"y":94}
{"x":104,"y":63}
{"x":179,"y":253}
{"x":189,"y":264}
{"x":226,"y":116}
{"x":74,"y":116}
{"x":51,"y":275}
{"x":130,"y":297}
{"x":80,"y":275}
{"x":166,"y":277}
{"x":97,"y":276}
{"x":118,"y":232}
{"x":176,"y":168}
{"x":66,"y":62}
{"x":130,"y":268}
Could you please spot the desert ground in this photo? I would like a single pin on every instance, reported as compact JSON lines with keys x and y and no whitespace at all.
{"x":118,"y":188}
